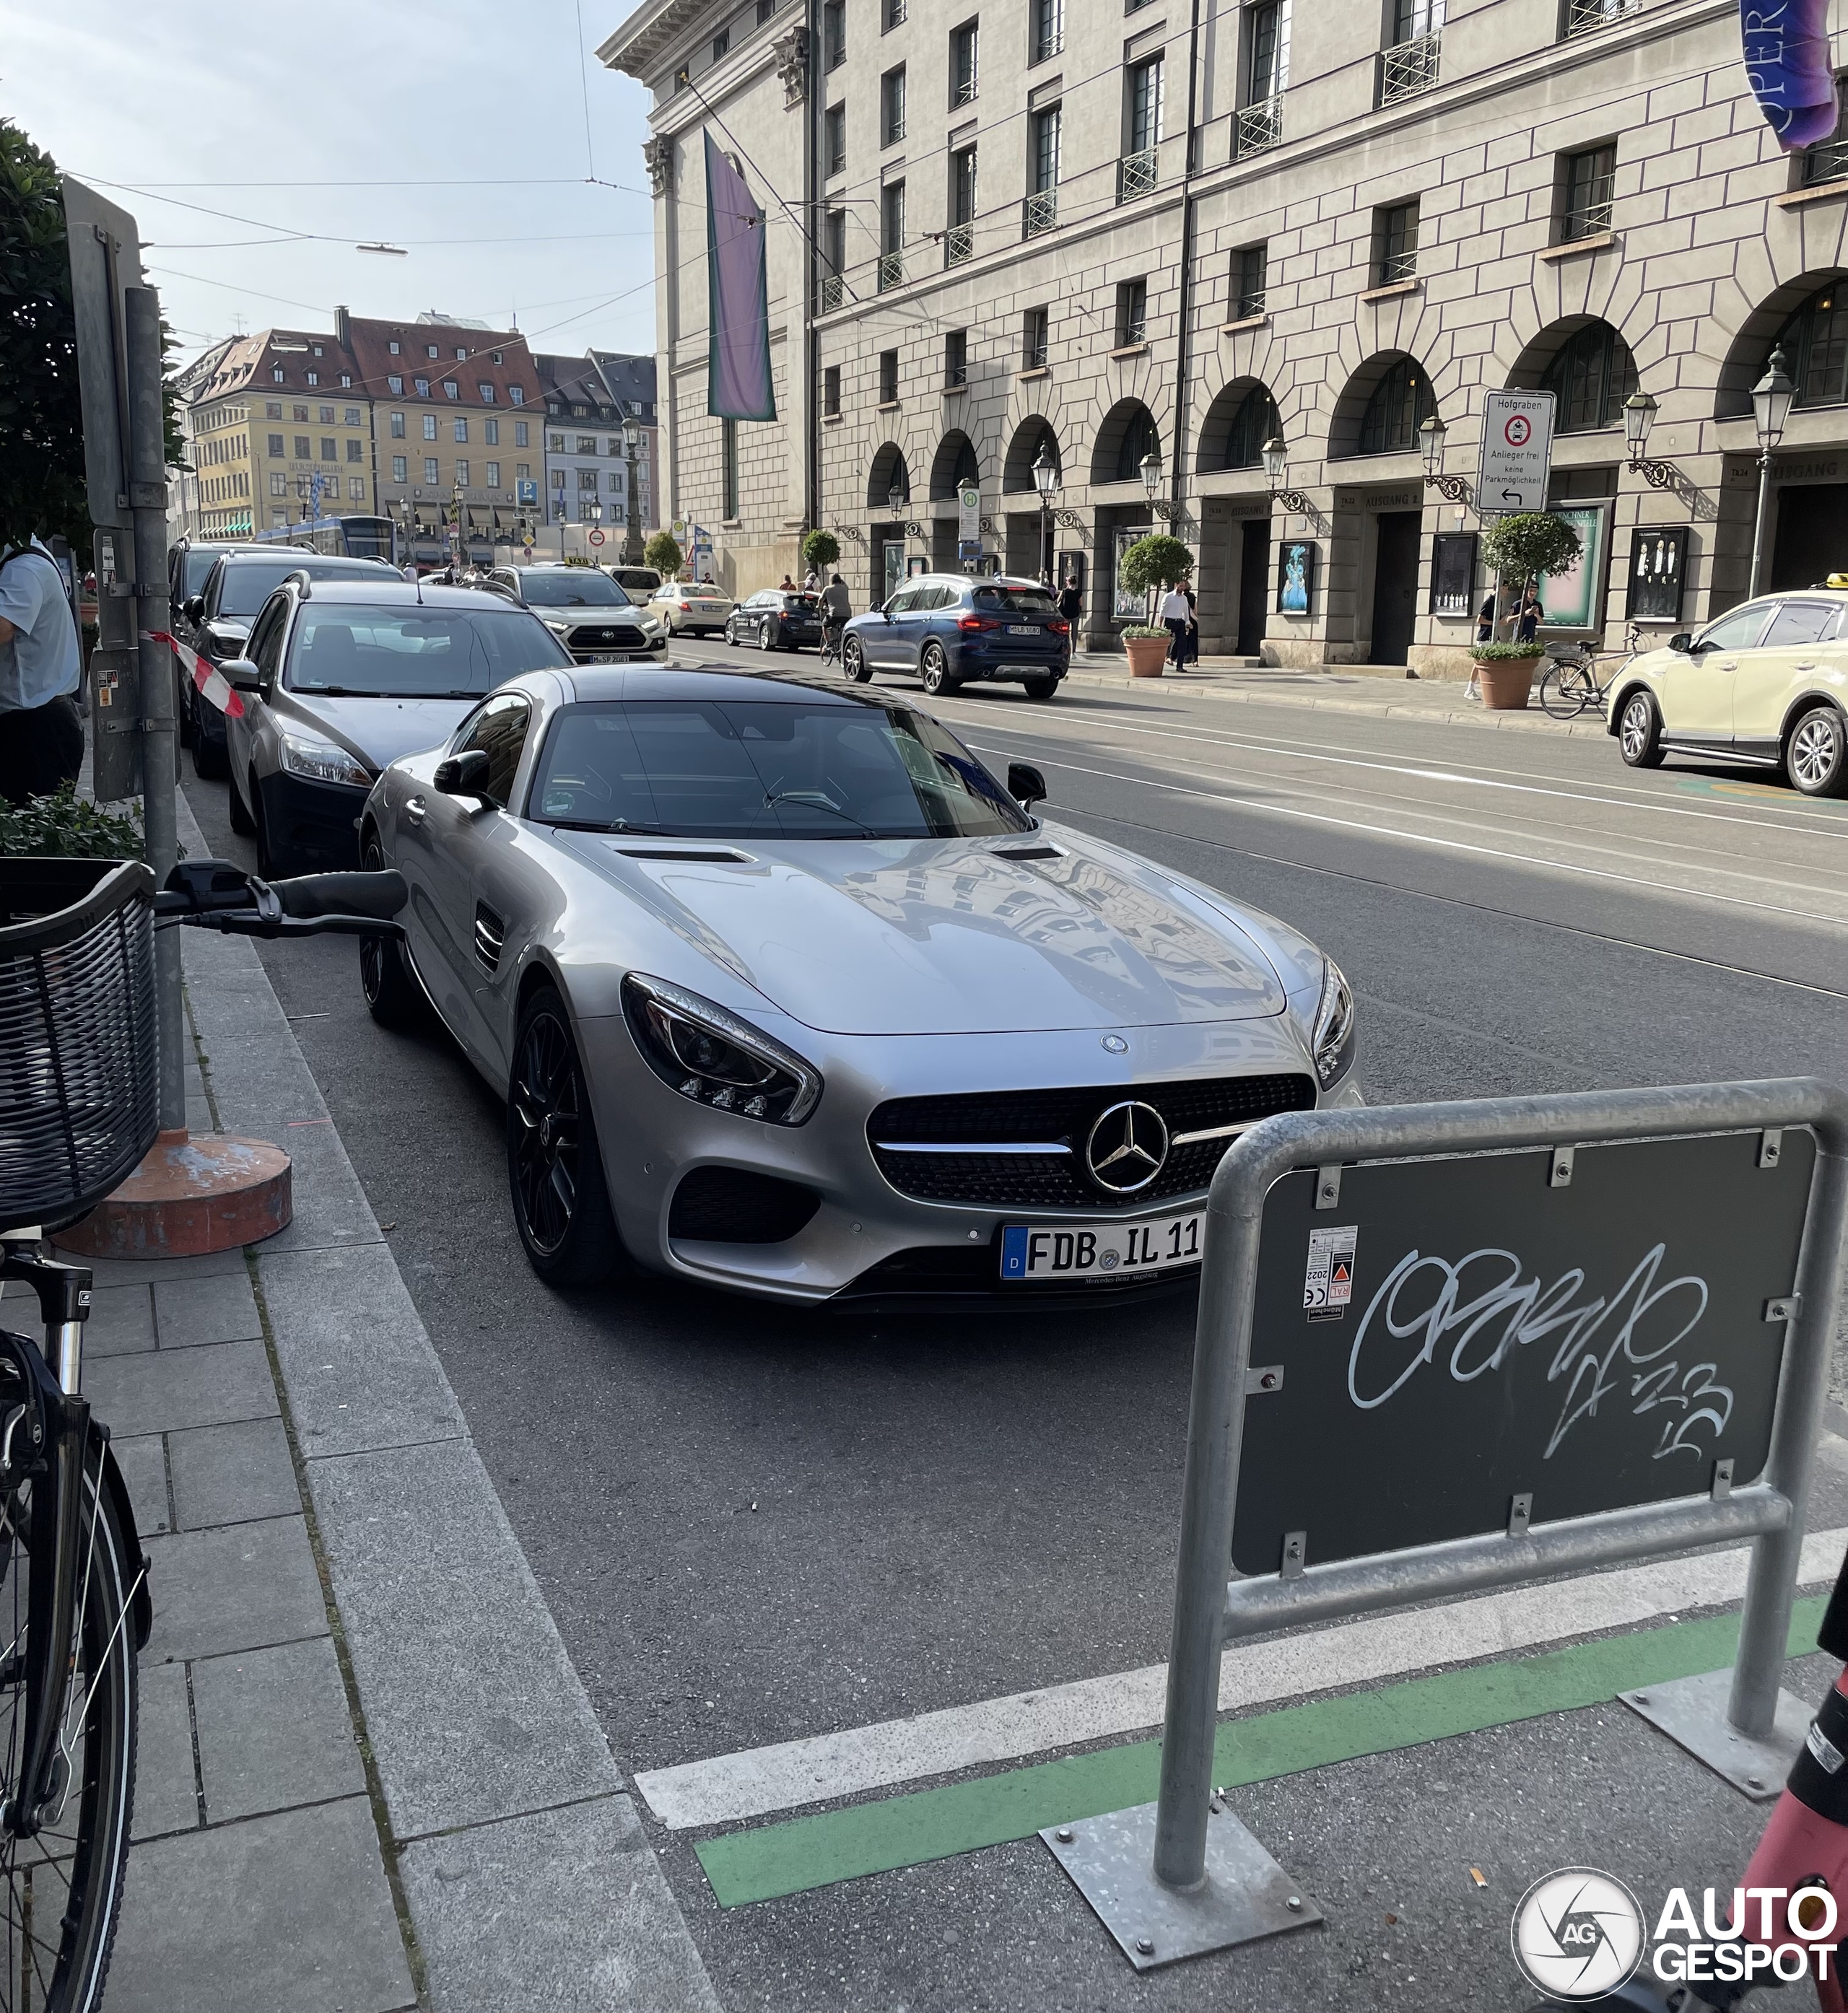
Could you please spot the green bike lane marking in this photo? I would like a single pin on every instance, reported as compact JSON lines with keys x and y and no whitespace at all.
{"x":764,"y":1862}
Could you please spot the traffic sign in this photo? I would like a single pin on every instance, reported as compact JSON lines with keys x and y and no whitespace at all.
{"x":596,"y":538}
{"x":1516,"y":453}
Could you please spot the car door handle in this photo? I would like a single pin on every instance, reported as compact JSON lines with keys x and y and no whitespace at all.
{"x":1802,"y":668}
{"x":415,"y":809}
{"x":1731,"y":665}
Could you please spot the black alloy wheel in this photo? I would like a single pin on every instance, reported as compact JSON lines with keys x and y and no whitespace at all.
{"x":393,"y":996}
{"x":853,"y":657}
{"x":1639,"y":732}
{"x":555,"y":1169}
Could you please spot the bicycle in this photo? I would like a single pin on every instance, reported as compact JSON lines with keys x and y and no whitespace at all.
{"x":832,"y":633}
{"x":78,"y":1111}
{"x":1570,"y":686}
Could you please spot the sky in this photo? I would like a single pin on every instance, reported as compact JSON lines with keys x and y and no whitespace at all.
{"x":467,"y":133}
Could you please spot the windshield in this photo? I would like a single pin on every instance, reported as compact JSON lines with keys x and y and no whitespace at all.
{"x":248,"y":584}
{"x":417,"y":652}
{"x":573,"y":587}
{"x":1015,"y":600}
{"x":757,"y":769}
{"x":200,"y":559}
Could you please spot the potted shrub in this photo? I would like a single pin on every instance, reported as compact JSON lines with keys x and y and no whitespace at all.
{"x":1147,"y":649}
{"x":1157,"y":561}
{"x":1522,"y":547}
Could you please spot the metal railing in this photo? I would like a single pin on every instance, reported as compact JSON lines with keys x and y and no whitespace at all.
{"x":1135,"y":174}
{"x":891,"y":270}
{"x":1407,"y":68}
{"x":1260,"y":126}
{"x":1039,"y":213}
{"x":1585,"y":17}
{"x":959,"y":244}
{"x":1590,"y":219}
{"x":833,"y":292}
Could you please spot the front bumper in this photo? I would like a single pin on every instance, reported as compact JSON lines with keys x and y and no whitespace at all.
{"x":865,"y":1237}
{"x":311,"y":825}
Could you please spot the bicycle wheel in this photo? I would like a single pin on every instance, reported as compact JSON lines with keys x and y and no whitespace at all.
{"x":62,"y":1888}
{"x":1564,"y":692}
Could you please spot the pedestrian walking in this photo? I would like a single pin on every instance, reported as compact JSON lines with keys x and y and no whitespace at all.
{"x":41,"y":732}
{"x":811,"y":582}
{"x":1071,"y":601}
{"x":1176,"y":615}
{"x":787,"y":585}
{"x":1190,"y":641}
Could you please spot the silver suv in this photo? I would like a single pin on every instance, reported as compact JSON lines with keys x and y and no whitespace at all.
{"x":586,"y":611}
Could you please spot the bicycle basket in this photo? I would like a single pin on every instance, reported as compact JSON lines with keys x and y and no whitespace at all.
{"x":79,"y":1064}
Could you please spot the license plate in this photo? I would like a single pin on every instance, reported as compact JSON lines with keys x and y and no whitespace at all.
{"x":1022,"y":629}
{"x":1097,"y":1250}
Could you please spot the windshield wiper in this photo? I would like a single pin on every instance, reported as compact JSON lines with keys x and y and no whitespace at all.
{"x":604,"y":824}
{"x":815,"y":801}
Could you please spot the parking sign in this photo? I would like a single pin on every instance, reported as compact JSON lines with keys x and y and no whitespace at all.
{"x":1516,"y":452}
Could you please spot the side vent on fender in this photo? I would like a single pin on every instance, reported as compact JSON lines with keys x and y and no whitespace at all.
{"x":490,"y":934}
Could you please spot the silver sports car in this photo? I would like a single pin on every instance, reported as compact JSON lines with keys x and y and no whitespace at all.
{"x":787,"y":993}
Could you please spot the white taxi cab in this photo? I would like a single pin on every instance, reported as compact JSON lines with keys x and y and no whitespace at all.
{"x":691,"y":609}
{"x":1765,"y":685}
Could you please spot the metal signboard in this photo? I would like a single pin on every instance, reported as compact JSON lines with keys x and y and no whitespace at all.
{"x":1586,"y":1334}
{"x":1516,"y":452}
{"x":969,"y":515}
{"x":105,"y":256}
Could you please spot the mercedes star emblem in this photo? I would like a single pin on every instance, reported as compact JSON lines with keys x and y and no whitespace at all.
{"x":1127,"y":1148}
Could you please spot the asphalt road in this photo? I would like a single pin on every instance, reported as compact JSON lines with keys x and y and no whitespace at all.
{"x":754,"y":1526}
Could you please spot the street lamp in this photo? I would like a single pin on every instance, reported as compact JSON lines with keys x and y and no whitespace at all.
{"x":1639,"y":417}
{"x":1772,"y":397}
{"x":1277,"y":467}
{"x":1430,"y":439}
{"x":1046,"y":482}
{"x":631,"y":537}
{"x":1150,"y":470}
{"x":895,"y":497}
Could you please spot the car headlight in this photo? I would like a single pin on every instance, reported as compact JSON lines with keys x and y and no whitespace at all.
{"x":1333,"y":1042}
{"x":557,"y":628}
{"x":308,"y":755}
{"x":695,"y":1047}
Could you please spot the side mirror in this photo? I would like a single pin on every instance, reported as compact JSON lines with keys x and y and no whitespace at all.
{"x":193,"y":607}
{"x":242,"y":676}
{"x":1025,"y":785}
{"x":463,"y":775}
{"x":1682,"y":641}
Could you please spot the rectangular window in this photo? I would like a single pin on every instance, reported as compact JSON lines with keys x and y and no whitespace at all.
{"x":1142,"y":106}
{"x":891,"y":15}
{"x":491,"y":475}
{"x":304,"y":447}
{"x":1413,"y":18}
{"x":330,"y":450}
{"x":587,"y":443}
{"x":273,"y":410}
{"x":1267,"y":66}
{"x":395,"y":387}
{"x":888,"y":377}
{"x":491,"y":432}
{"x":299,"y":412}
{"x":586,"y":481}
{"x":892,"y":107}
{"x":1396,"y":244}
{"x":765,"y":9}
{"x":421,"y":387}
{"x":965,"y":54}
{"x":519,"y":439}
{"x":278,"y":485}
{"x":314,"y":377}
{"x":450,"y":389}
{"x":956,"y":357}
{"x":276,"y":446}
{"x":555,"y":443}
{"x":462,"y":473}
{"x":356,"y":489}
{"x":1409,"y":64}
{"x":1587,"y":183}
{"x":891,"y":235}
{"x":834,"y":139}
{"x":522,"y":471}
{"x":1049,"y":28}
{"x":1043,"y":167}
{"x":831,"y":391}
{"x":397,"y":426}
{"x":430,"y":468}
{"x":833,"y":34}
{"x":962,"y":186}
{"x":351,"y":415}
{"x":487,"y":393}
{"x":461,"y":429}
{"x":1248,"y":276}
{"x":728,"y":456}
{"x":1034,"y":331}
{"x":392,"y":347}
{"x":399,"y":471}
{"x":326,"y":413}
{"x":516,"y":395}
{"x":429,"y":426}
{"x":356,"y":450}
{"x":834,"y":240}
{"x":1827,"y":160}
{"x":1132,"y":311}
{"x":722,"y":44}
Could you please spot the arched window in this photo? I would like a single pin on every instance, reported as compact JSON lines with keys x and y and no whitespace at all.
{"x":1591,"y":375}
{"x":1400,"y":405}
{"x":1023,"y":450}
{"x":1140,"y":440}
{"x":953,"y":465}
{"x":1814,"y":341}
{"x":1255,"y":422}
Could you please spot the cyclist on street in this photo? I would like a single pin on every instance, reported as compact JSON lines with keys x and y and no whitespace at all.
{"x":836,"y":607}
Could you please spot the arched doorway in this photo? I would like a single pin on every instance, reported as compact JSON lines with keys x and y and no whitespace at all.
{"x":1031,"y":535}
{"x":888,"y":498}
{"x":1235,"y":538}
{"x":1380,"y":410}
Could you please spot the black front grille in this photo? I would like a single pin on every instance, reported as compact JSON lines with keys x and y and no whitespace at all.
{"x":732,"y":1206}
{"x":1064,"y":1117}
{"x":608,"y":639}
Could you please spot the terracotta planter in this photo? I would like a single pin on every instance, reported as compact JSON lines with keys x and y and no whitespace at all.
{"x":1507,"y":683}
{"x":1147,"y":655}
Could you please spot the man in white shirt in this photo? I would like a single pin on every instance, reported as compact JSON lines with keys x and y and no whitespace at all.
{"x":41,"y":732}
{"x":1177,"y":614}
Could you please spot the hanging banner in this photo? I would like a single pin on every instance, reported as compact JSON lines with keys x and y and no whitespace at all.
{"x":1788,"y":66}
{"x":738,"y":354}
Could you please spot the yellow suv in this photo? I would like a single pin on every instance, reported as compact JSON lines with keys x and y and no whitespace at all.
{"x":1766,"y":684}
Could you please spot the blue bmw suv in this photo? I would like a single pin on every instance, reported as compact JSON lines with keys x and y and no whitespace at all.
{"x":948,"y":630}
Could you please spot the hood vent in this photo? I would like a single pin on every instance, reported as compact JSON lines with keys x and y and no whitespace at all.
{"x":1027,"y":852}
{"x":726,"y":856}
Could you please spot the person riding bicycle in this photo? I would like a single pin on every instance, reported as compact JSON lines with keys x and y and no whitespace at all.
{"x":836,"y":607}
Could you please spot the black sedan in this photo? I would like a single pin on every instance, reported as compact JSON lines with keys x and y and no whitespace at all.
{"x":776,"y":619}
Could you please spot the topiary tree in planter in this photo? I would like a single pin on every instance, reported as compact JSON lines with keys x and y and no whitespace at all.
{"x":663,"y":552}
{"x":820,"y":550}
{"x":1520,"y":548}
{"x":1157,"y":560}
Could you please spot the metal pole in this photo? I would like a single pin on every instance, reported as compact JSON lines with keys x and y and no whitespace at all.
{"x":1770,"y":1587}
{"x":1764,"y":465}
{"x":147,"y":496}
{"x":1222,"y":1350}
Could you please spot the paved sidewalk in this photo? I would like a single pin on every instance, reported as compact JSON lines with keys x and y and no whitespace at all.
{"x":370,"y":1779}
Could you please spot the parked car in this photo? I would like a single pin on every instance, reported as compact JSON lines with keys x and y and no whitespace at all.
{"x":240,"y":582}
{"x":776,"y":619}
{"x":588,"y":612}
{"x":343,"y":675}
{"x":787,"y":993}
{"x":188,"y":567}
{"x":947,"y":630}
{"x":1765,"y":685}
{"x":639,"y":583}
{"x":691,"y":610}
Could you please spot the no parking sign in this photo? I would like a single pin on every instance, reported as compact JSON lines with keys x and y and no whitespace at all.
{"x":1516,"y":452}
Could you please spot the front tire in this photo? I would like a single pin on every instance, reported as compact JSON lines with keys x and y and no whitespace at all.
{"x":1639,"y":732}
{"x":268,"y":866}
{"x":1039,"y":688}
{"x":1816,"y":755}
{"x":933,"y":668}
{"x":555,"y":1168}
{"x":854,"y":658}
{"x":211,"y":760}
{"x":393,"y":997}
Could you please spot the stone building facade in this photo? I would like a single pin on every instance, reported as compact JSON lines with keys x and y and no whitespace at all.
{"x":1155,"y":240}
